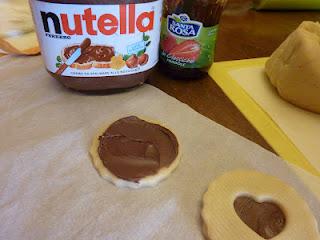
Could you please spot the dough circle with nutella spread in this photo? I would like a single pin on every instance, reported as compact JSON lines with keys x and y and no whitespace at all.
{"x":243,"y":200}
{"x":134,"y":153}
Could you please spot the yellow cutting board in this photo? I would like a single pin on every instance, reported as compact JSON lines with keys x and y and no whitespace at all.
{"x":291,"y":131}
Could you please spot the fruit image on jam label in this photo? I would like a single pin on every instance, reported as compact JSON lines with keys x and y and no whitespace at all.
{"x":187,"y":51}
{"x":168,"y":43}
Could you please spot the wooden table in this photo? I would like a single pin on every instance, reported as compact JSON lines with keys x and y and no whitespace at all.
{"x":244,"y":33}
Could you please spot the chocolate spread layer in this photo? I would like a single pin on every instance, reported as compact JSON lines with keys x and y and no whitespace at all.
{"x":91,"y":53}
{"x":132,"y":148}
{"x":266,"y":219}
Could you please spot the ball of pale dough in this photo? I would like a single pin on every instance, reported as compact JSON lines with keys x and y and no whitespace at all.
{"x":294,"y":68}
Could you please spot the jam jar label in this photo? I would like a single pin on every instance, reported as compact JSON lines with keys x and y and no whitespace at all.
{"x":80,"y":40}
{"x":187,"y":43}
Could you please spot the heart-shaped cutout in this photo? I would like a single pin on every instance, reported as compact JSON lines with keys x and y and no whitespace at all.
{"x":265,"y":218}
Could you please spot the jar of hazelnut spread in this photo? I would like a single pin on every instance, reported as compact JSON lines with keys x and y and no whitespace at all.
{"x":188,"y":36}
{"x":93,"y":45}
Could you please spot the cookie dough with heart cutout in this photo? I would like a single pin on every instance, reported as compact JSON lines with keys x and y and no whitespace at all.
{"x":134,"y":153}
{"x":246,"y":204}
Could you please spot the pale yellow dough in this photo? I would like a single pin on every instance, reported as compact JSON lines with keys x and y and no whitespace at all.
{"x":149,"y":181}
{"x":294,"y":67}
{"x":221,"y":222}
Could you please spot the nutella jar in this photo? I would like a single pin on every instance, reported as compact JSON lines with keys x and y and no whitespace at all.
{"x":93,"y":45}
{"x":188,"y":36}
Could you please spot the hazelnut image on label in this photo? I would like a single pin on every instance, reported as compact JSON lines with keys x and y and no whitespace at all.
{"x":143,"y":59}
{"x":134,"y":153}
{"x":132,"y":61}
{"x":246,"y":204}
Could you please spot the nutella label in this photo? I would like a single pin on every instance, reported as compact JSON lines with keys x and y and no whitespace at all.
{"x":80,"y":40}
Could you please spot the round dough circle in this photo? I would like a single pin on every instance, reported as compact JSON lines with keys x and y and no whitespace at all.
{"x":221,"y":221}
{"x":293,"y":68}
{"x":149,"y":181}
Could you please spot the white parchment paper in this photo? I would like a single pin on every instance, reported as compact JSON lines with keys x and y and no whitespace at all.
{"x":50,"y":190}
